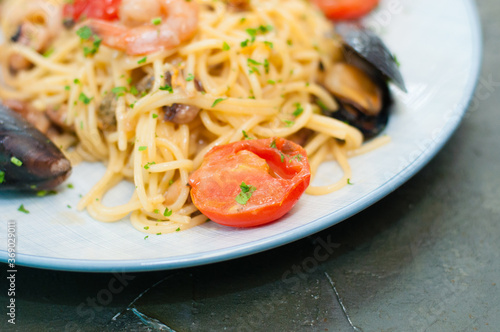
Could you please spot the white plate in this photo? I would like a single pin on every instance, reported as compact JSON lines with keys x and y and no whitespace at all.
{"x":439,"y":47}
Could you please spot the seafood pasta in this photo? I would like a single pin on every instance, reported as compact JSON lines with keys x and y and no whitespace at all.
{"x":150,"y":86}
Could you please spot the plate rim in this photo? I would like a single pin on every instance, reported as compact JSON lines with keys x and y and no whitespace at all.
{"x":268,"y":243}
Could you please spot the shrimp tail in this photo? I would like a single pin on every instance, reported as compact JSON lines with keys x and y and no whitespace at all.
{"x":28,"y":159}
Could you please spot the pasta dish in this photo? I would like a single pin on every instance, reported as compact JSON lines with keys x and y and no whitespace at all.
{"x":150,"y":87}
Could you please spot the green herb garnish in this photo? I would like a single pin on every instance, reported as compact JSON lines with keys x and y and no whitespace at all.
{"x":16,"y":161}
{"x":245,"y":193}
{"x":218,"y":100}
{"x":22,"y":209}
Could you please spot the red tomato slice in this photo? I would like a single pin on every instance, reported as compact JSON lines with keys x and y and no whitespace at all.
{"x":251,"y":182}
{"x":100,"y":9}
{"x":346,"y":9}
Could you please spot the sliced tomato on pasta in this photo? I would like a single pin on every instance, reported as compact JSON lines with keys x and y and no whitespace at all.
{"x":100,"y":9}
{"x":251,"y":182}
{"x":346,"y":9}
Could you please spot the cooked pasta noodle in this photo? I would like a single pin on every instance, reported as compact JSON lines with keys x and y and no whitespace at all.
{"x":253,"y":72}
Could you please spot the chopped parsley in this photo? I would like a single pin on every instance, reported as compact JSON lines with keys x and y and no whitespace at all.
{"x":149,"y":164}
{"x":273,"y":144}
{"x":22,"y":209}
{"x":396,"y":60}
{"x":298,"y":109}
{"x":253,"y":62}
{"x":146,"y":237}
{"x":83,"y":98}
{"x":298,"y":157}
{"x":245,"y":193}
{"x":2,"y":177}
{"x":266,"y":66}
{"x":218,"y":100}
{"x":270,"y":44}
{"x":154,"y":115}
{"x":167,"y":212}
{"x":84,"y":32}
{"x":67,"y":88}
{"x":282,"y":157}
{"x":167,"y":88}
{"x":146,"y":227}
{"x":156,"y":21}
{"x":225,"y":46}
{"x":133,"y":90}
{"x":43,"y":193}
{"x":142,"y":148}
{"x":48,"y":52}
{"x":244,"y":43}
{"x":288,"y":123}
{"x":322,"y":105}
{"x":70,"y":186}
{"x":95,"y":47}
{"x":245,"y":135}
{"x":349,"y":181}
{"x":16,"y":161}
{"x":178,"y":229}
{"x":119,"y":91}
{"x":189,"y":78}
{"x":143,"y":60}
{"x":271,"y":82}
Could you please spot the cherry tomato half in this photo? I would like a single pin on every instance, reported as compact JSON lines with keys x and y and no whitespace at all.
{"x":100,"y":9}
{"x":251,"y":182}
{"x":346,"y":9}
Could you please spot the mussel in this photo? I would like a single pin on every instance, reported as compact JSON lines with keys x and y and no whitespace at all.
{"x":360,"y":83}
{"x":28,"y":159}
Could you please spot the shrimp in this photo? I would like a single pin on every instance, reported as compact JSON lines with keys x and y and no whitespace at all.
{"x":148,"y":26}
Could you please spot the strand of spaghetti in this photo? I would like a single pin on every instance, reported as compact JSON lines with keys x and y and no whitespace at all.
{"x":229,"y":105}
{"x":115,"y":213}
{"x":314,"y":144}
{"x":138,"y":174}
{"x":316,"y":159}
{"x":139,"y":221}
{"x":182,"y":139}
{"x":134,"y":62}
{"x":211,"y":125}
{"x":188,"y":209}
{"x":344,"y":164}
{"x":75,"y":90}
{"x":174,"y":217}
{"x":171,"y":165}
{"x":40,"y":61}
{"x":219,"y":141}
{"x":201,"y":45}
{"x":313,"y":89}
{"x":371,"y":145}
{"x":116,"y":158}
{"x":64,"y":49}
{"x":184,"y":177}
{"x":299,"y":123}
{"x":250,"y":75}
{"x":246,"y":126}
{"x":190,"y":70}
{"x":337,"y":129}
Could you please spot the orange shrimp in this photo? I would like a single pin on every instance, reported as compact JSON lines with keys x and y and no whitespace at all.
{"x":148,"y":26}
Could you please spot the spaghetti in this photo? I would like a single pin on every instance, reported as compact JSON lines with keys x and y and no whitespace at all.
{"x":251,"y":73}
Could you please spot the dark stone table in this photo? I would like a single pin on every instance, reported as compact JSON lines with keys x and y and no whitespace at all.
{"x":425,"y":258}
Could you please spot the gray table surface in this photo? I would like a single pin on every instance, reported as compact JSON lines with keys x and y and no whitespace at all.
{"x":425,"y":258}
